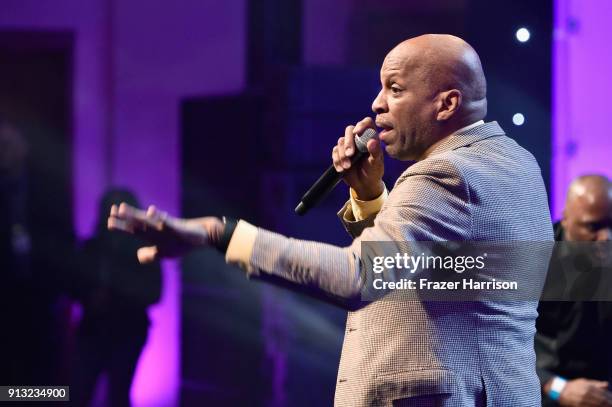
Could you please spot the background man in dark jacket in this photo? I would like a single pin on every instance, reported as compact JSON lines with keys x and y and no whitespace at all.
{"x":574,"y":337}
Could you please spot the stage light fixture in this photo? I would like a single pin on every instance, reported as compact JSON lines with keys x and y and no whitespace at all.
{"x":518,"y":119}
{"x":523,"y":34}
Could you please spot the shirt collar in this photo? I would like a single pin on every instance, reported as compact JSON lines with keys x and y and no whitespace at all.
{"x":466,"y":128}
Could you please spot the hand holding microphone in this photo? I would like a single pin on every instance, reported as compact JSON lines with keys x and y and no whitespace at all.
{"x":361,"y":170}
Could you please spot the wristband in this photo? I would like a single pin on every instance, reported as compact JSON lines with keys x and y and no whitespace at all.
{"x":229,"y":225}
{"x":556,"y":387}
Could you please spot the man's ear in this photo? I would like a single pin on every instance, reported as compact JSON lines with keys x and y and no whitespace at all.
{"x":448,"y":103}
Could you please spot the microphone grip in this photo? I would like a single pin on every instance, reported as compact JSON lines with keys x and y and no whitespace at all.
{"x":323,"y":186}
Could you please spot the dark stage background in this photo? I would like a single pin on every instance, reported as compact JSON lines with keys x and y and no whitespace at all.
{"x":35,"y":95}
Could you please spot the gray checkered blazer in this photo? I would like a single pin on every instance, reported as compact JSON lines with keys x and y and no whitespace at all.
{"x":476,"y":186}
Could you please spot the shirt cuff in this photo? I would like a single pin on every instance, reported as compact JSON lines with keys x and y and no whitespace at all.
{"x":241,"y":245}
{"x":364,"y":209}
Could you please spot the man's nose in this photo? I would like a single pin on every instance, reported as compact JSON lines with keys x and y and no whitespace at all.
{"x":379,"y":105}
{"x":604,"y":234}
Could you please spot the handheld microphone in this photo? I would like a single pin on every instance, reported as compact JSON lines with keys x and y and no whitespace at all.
{"x":330,"y":178}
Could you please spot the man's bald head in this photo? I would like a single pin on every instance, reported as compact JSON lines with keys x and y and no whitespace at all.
{"x":445,"y":62}
{"x":442,"y":62}
{"x":590,"y":189}
{"x":432,"y":85}
{"x":588,"y":209}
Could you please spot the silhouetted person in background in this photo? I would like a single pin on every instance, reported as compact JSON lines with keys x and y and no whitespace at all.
{"x":573,"y":339}
{"x":14,"y":244}
{"x":19,"y":350}
{"x":115,"y":292}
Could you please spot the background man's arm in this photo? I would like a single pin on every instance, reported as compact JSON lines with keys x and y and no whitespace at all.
{"x":568,"y":392}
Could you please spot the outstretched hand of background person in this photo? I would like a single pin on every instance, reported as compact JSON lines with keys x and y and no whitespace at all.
{"x":168,"y":236}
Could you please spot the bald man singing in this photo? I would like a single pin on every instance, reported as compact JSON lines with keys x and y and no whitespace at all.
{"x":468,"y":182}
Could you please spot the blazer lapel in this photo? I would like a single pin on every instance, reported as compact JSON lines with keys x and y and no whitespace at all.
{"x":465,"y":138}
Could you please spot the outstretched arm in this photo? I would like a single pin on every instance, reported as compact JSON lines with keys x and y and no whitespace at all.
{"x":170,"y":236}
{"x":320,"y":269}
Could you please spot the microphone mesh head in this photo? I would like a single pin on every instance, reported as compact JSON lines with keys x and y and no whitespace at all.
{"x":362,"y":141}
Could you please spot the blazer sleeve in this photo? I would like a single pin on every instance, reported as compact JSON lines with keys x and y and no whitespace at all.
{"x":429,"y":202}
